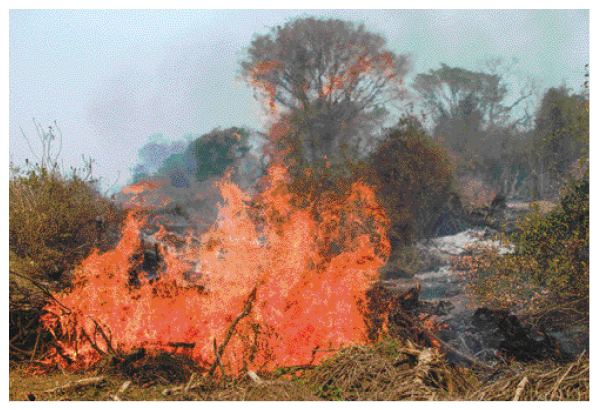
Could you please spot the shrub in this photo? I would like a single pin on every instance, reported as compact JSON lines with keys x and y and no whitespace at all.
{"x":54,"y":222}
{"x":413,"y":178}
{"x":551,"y":250}
{"x":559,"y":242}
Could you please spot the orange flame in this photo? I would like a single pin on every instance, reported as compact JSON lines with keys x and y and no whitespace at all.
{"x":310,"y":277}
{"x":146,"y":194}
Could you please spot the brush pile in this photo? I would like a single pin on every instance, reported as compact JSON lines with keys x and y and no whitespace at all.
{"x":398,"y":371}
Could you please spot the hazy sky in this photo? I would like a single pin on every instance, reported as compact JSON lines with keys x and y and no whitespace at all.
{"x":113,"y":79}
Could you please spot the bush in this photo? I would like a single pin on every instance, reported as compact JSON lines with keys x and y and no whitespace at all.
{"x":54,"y":222}
{"x":413,"y":178}
{"x":551,"y":250}
{"x":559,"y":243}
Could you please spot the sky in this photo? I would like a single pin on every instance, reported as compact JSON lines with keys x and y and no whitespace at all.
{"x":115,"y":79}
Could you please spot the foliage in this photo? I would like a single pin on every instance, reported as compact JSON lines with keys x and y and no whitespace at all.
{"x":551,"y":250}
{"x":54,"y":221}
{"x":559,"y":242}
{"x":316,"y":174}
{"x":559,"y":139}
{"x":332,"y":78}
{"x":475,"y":120}
{"x":455,"y":93}
{"x":215,"y":151}
{"x":413,"y":178}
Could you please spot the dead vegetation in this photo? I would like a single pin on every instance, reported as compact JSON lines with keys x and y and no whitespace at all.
{"x":406,"y":363}
{"x":390,"y":370}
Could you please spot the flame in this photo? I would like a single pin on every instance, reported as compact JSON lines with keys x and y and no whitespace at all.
{"x":146,"y":194}
{"x":309,"y":269}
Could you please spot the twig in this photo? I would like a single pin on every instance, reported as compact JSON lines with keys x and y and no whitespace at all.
{"x":37,"y":340}
{"x":42,"y":288}
{"x":561,"y":379}
{"x":444,"y":346}
{"x":451,"y":350}
{"x":219,"y":352}
{"x":124,"y":387}
{"x":520,"y":388}
{"x":425,"y":358}
{"x":254,"y":377}
{"x":246,"y":311}
{"x":188,"y":385}
{"x":106,"y":339}
{"x":218,"y":359}
{"x":78,"y":383}
{"x":93,"y":344}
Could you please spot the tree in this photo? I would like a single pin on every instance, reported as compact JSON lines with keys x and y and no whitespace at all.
{"x":478,"y":119}
{"x":215,"y":151}
{"x":413,"y":178}
{"x":560,"y":137}
{"x":330,"y":80}
{"x":452,"y":91}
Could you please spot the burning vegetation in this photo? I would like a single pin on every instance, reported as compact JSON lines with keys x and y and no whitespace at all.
{"x":303,"y":272}
{"x":279,"y":282}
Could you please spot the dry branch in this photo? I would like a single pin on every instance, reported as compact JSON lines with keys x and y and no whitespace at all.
{"x":188,"y":385}
{"x":254,"y":377}
{"x":561,"y":379}
{"x":520,"y":388}
{"x":218,"y":351}
{"x":246,"y":311}
{"x":218,"y":359}
{"x":77,"y":384}
{"x":45,"y":290}
{"x":448,"y":348}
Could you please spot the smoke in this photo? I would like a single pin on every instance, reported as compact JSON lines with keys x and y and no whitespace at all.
{"x":188,"y":86}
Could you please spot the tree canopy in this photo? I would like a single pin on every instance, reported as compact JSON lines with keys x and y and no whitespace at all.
{"x":331,"y":78}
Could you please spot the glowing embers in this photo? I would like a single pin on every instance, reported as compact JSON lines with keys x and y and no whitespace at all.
{"x":309,"y":270}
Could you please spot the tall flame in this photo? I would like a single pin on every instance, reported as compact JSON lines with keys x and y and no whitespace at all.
{"x":309,"y":268}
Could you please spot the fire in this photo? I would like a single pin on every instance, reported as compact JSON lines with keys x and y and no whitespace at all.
{"x":146,"y":193}
{"x":306,"y":272}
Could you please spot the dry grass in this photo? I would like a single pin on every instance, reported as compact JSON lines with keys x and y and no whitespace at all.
{"x":393,"y":370}
{"x":539,"y":382}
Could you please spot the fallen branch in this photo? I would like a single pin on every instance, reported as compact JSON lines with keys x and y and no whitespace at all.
{"x":218,"y":351}
{"x":426,"y":358}
{"x":254,"y":377}
{"x":188,"y":385}
{"x":561,"y":379}
{"x":77,"y":384}
{"x":435,"y":341}
{"x":122,"y":389}
{"x":246,"y":311}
